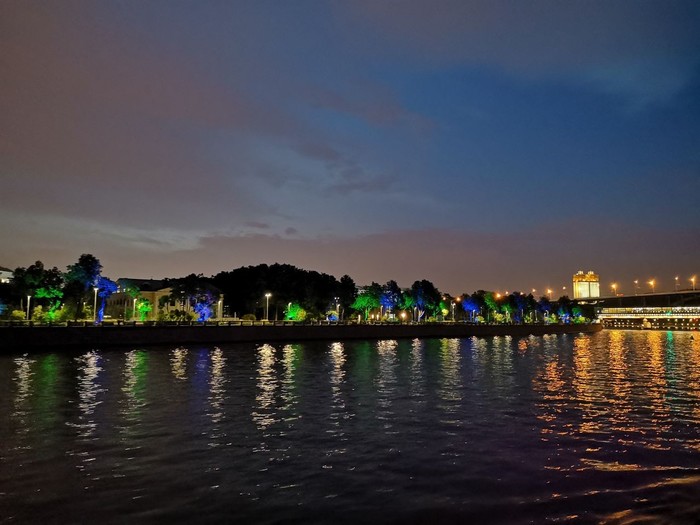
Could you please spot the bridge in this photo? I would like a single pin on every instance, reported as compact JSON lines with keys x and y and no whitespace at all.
{"x":656,"y":311}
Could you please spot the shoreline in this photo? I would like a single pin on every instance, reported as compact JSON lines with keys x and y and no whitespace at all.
{"x":26,"y":338}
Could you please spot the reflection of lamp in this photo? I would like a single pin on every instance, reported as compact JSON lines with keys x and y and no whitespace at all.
{"x":29,"y":298}
{"x":94,"y":306}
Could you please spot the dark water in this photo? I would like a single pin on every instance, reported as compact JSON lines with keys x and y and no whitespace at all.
{"x":583,"y":429}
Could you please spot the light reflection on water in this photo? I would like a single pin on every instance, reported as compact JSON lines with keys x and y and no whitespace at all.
{"x":587,"y":428}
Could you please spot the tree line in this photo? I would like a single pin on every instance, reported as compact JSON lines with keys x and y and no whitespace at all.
{"x":270,"y":292}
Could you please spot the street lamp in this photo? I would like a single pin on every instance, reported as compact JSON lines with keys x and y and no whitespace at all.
{"x":453,"y":312}
{"x":652,"y":283}
{"x":29,"y":298}
{"x":676,"y":282}
{"x":614,"y":288}
{"x":267,"y":305}
{"x":692,"y":280}
{"x":549,"y":294}
{"x":636,"y":286}
{"x":94,"y":306}
{"x":133,"y":314}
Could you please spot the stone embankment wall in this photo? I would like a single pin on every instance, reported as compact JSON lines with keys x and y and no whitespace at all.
{"x":24,"y":338}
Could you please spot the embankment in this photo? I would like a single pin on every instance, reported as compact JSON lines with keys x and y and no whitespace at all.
{"x":26,"y":338}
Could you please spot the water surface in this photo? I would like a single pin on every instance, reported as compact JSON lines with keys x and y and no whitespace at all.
{"x":582,"y":429}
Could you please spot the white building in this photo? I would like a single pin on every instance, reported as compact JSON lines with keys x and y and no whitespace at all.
{"x":5,"y":275}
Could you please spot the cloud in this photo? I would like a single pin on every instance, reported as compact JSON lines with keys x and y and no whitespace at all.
{"x":648,"y":51}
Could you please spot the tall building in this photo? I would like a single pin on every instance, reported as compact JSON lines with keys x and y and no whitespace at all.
{"x":586,"y":285}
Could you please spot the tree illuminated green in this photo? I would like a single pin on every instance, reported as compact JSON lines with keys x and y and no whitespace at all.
{"x":294,"y":312}
{"x":143,"y":307}
{"x":365,"y":303}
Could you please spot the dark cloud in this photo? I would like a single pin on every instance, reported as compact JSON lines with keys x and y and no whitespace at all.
{"x":646,"y":50}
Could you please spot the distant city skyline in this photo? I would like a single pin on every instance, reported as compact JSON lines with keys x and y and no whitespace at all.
{"x":493,"y":145}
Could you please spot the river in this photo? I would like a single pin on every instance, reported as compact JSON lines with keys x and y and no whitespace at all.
{"x":590,"y":428}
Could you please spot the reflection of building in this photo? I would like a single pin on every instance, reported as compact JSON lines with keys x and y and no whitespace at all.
{"x":586,"y":285}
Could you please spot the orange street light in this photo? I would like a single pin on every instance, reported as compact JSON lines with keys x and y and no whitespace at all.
{"x":614,"y":288}
{"x":652,"y":283}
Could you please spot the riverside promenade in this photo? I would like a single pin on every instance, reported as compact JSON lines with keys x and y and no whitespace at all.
{"x":24,"y":338}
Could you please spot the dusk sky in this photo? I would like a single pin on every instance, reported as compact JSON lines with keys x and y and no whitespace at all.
{"x":480,"y":145}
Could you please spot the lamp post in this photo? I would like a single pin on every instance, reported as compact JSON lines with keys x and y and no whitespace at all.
{"x":29,"y":298}
{"x":267,"y":306}
{"x":676,"y":282}
{"x":453,"y":311}
{"x":652,"y":283}
{"x":692,"y":280}
{"x":133,"y":314}
{"x":94,"y":306}
{"x":614,"y":288}
{"x":636,"y":286}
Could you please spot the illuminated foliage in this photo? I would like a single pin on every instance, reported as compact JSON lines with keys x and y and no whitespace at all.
{"x":80,"y":278}
{"x":197,"y":294}
{"x":390,"y":297}
{"x":425,"y":298}
{"x":105,"y":288}
{"x":143,"y":307}
{"x":294,"y":312}
{"x":365,"y":303}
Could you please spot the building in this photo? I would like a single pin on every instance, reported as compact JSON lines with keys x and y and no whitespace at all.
{"x":657,"y":311}
{"x":586,"y":285}
{"x":5,"y":275}
{"x":122,"y":305}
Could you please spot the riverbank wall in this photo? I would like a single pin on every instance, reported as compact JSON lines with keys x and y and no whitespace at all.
{"x":26,"y":338}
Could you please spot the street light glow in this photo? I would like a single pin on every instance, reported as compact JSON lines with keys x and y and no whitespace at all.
{"x":267,"y":306}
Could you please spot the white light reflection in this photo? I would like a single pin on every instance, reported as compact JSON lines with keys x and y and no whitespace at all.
{"x":417,"y":370}
{"x":264,"y":415}
{"x":23,"y":380}
{"x":178,"y":363}
{"x":217,"y":383}
{"x":386,"y":380}
{"x":135,"y":372}
{"x":291,"y":358}
{"x":451,"y":387}
{"x":88,"y":389}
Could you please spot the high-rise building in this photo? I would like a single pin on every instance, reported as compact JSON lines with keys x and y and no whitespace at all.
{"x":586,"y":285}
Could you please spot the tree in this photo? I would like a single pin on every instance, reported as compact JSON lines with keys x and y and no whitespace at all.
{"x":198,"y":294}
{"x":425,"y":298}
{"x":80,"y":277}
{"x":471,"y":304}
{"x":391,"y":296}
{"x":294,"y":312}
{"x":368,"y":300}
{"x":143,"y":306}
{"x":105,"y":288}
{"x":45,"y":286}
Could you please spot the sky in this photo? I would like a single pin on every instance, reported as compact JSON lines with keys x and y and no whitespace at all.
{"x":499,"y":145}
